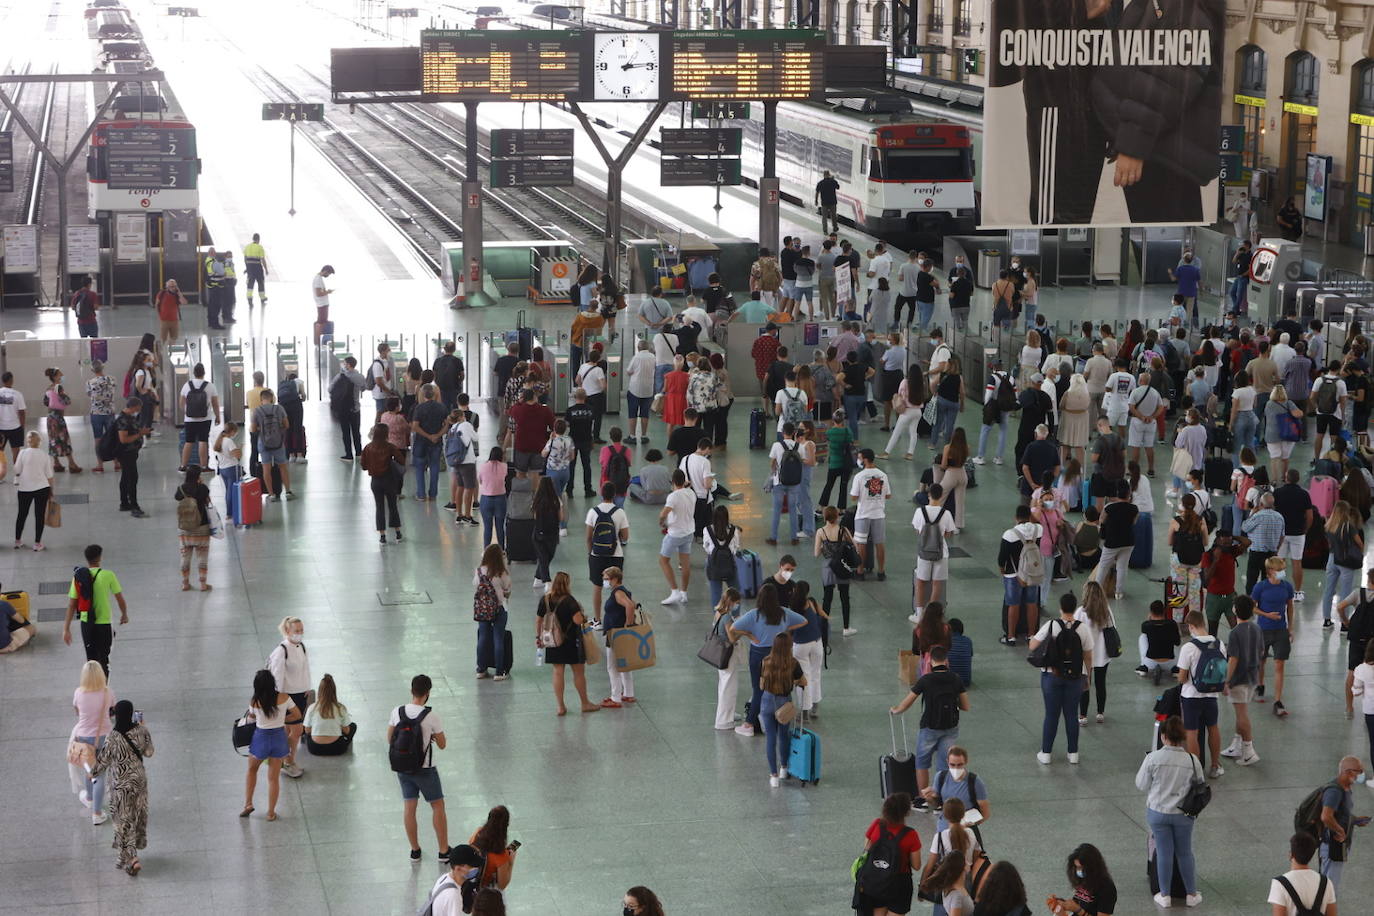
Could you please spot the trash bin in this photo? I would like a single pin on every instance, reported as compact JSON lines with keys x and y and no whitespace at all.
{"x":989,"y":266}
{"x":1369,"y":241}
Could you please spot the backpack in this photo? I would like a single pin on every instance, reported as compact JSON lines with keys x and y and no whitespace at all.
{"x":1006,"y":395}
{"x":197,"y":399}
{"x":408,"y":745}
{"x":881,"y":870}
{"x":1209,"y":672}
{"x":1308,"y":816}
{"x":107,"y":449}
{"x":794,"y":409}
{"x":1030,"y":566}
{"x":84,"y":580}
{"x":1243,"y":488}
{"x":1188,"y":546}
{"x":128,"y":383}
{"x":770,"y":275}
{"x":931,"y":541}
{"x":289,"y":390}
{"x":1063,"y":651}
{"x":1113,"y":463}
{"x":486,"y":604}
{"x":942,"y":710}
{"x":1361,"y":626}
{"x":455,"y":447}
{"x":188,"y":513}
{"x":1300,"y":908}
{"x":604,"y":535}
{"x":270,"y":432}
{"x":370,"y":382}
{"x":618,"y":470}
{"x":720,"y":565}
{"x":1325,"y":396}
{"x":83,"y":302}
{"x":340,"y":395}
{"x":790,"y":465}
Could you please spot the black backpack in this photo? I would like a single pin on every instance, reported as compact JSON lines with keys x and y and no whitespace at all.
{"x":341,"y":395}
{"x":1006,"y":395}
{"x":790,"y":465}
{"x":618,"y":469}
{"x":882,"y":867}
{"x":1300,"y":908}
{"x":1061,"y":652}
{"x":1188,"y":547}
{"x":604,"y":535}
{"x":197,"y":399}
{"x":942,"y":710}
{"x":1361,"y":626}
{"x":408,"y":745}
{"x":107,"y":449}
{"x":1308,"y":816}
{"x":720,"y":565}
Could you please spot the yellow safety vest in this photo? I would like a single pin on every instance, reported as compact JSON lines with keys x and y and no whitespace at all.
{"x":254,"y":255}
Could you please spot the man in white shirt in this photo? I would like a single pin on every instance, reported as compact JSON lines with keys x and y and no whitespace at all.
{"x":446,"y":897}
{"x":879,"y":268}
{"x":790,"y":402}
{"x":665,"y":348}
{"x":464,"y":476}
{"x":870,"y":491}
{"x":1116,"y":395}
{"x":425,"y":780}
{"x":1282,"y":352}
{"x":697,"y":467}
{"x":1199,"y":709}
{"x":906,"y":288}
{"x":321,"y":289}
{"x":678,"y":520}
{"x":199,"y":402}
{"x":940,"y":356}
{"x":383,"y":379}
{"x":1302,"y":885}
{"x":639,"y":392}
{"x":931,"y":574}
{"x":13,"y":412}
{"x":599,"y":558}
{"x":785,"y":477}
{"x":695,"y":314}
{"x":1329,"y":395}
{"x":1145,"y":406}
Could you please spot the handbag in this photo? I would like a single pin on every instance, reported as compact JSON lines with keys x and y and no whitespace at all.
{"x":242,"y":733}
{"x":216,"y":522}
{"x":550,"y":633}
{"x":846,"y":562}
{"x":1198,"y":796}
{"x":1111,"y":637}
{"x":1181,"y":464}
{"x":718,"y":650}
{"x":785,"y":713}
{"x":591,"y":645}
{"x":52,"y":518}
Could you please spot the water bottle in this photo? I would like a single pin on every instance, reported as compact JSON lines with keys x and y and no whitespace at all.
{"x":539,"y":656}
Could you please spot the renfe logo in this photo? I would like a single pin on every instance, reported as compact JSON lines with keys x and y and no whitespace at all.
{"x":947,"y":196}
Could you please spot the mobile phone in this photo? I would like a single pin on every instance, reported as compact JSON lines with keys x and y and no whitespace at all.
{"x":514,"y":845}
{"x":138,"y":717}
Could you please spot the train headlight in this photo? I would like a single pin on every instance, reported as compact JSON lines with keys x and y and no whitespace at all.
{"x":892,"y":214}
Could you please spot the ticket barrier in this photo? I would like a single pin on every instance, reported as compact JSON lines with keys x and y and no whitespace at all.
{"x":288,"y":364}
{"x":563,"y":384}
{"x":615,"y":375}
{"x":177,"y":374}
{"x":228,"y":371}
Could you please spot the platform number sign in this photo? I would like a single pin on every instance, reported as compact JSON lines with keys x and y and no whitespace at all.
{"x":1230,"y":143}
{"x":293,"y":111}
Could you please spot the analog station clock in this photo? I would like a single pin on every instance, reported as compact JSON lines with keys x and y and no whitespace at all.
{"x":625,"y":65}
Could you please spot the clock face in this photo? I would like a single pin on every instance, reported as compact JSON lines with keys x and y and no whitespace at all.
{"x":626,"y":66}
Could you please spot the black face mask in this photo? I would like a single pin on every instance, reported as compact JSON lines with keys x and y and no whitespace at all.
{"x":627,"y":911}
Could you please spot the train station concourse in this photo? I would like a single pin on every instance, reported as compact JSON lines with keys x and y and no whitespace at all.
{"x":586,"y":248}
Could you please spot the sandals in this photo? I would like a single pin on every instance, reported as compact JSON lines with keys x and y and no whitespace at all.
{"x":246,"y":811}
{"x":134,"y":868}
{"x":608,"y":703}
{"x":272,"y":816}
{"x":206,"y":586}
{"x":186,"y":586}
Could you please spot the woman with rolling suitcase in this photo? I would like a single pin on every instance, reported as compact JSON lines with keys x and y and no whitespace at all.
{"x":489,"y":600}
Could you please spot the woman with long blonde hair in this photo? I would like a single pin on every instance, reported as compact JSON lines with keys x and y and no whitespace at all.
{"x":92,"y":702}
{"x":328,"y":727}
{"x":1345,"y":538}
{"x":1096,"y":615}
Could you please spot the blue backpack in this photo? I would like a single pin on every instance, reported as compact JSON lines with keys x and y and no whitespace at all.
{"x":455,"y":447}
{"x":1209,"y":673}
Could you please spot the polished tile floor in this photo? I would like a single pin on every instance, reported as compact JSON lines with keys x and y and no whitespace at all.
{"x":649,"y":794}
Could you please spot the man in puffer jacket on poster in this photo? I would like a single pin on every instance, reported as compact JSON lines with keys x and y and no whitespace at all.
{"x":1162,"y":122}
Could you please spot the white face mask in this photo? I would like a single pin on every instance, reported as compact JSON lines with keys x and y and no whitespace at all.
{"x":956,"y":773}
{"x":784,"y":574}
{"x":296,"y":638}
{"x":1049,"y":504}
{"x":605,"y":583}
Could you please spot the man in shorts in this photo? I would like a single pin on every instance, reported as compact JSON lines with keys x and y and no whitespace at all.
{"x":943,"y":696}
{"x":1329,"y":396}
{"x":870,"y":491}
{"x":1295,"y":505}
{"x":677,"y":518}
{"x":931,"y":574}
{"x":1145,"y":407}
{"x":1273,"y":598}
{"x":199,"y":403}
{"x":598,"y":559}
{"x":13,"y":412}
{"x":270,"y":423}
{"x":1244,"y":645}
{"x":425,"y":780}
{"x":533,"y":422}
{"x":168,"y":303}
{"x":1199,"y":708}
{"x":1115,"y":395}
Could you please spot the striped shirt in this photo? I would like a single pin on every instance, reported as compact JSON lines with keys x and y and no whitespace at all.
{"x":1265,"y":530}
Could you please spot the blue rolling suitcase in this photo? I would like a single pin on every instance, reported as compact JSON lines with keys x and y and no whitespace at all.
{"x":758,"y":421}
{"x":804,"y":759}
{"x":1085,"y":495}
{"x":1143,"y":554}
{"x":749,"y":571}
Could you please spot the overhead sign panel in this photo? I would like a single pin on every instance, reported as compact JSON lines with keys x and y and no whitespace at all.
{"x":701,"y":141}
{"x":679,"y":172}
{"x":506,"y":142}
{"x":151,"y":141}
{"x":746,"y":64}
{"x":531,"y":173}
{"x":720,"y":111}
{"x":138,"y":173}
{"x":6,"y":162}
{"x":153,"y":158}
{"x":486,"y":66}
{"x":293,"y":111}
{"x":1102,"y":122}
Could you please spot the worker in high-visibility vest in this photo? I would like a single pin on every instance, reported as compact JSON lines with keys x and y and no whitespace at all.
{"x":255,"y":268}
{"x":214,"y":288}
{"x":229,"y":297}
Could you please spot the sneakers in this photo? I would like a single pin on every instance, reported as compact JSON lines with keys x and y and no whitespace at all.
{"x":1163,"y":901}
{"x":1193,"y":899}
{"x":782,"y":772}
{"x":137,"y":513}
{"x":1300,"y":596}
{"x":745,"y":729}
{"x":415,"y":855}
{"x":1007,"y":640}
{"x":1232,"y":749}
{"x":1073,"y":757}
{"x":1082,"y":720}
{"x":848,"y":631}
{"x":1327,"y":624}
{"x":289,"y":495}
{"x":292,"y":770}
{"x":1101,"y":717}
{"x":882,"y":576}
{"x":1259,"y":694}
{"x":997,"y":461}
{"x":450,"y":506}
{"x":85,"y":798}
{"x":443,"y":856}
{"x":501,"y":677}
{"x":1248,"y":756}
{"x":1279,"y":709}
{"x":1215,"y":772}
{"x":1142,"y":671}
{"x":678,"y":596}
{"x":99,"y":818}
{"x":774,"y":782}
{"x":914,"y":617}
{"x":1042,"y":757}
{"x":979,"y":460}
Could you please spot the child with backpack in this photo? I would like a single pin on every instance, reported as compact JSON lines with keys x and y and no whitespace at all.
{"x":1202,"y":668}
{"x":891,"y":855}
{"x":615,"y":466}
{"x":1062,"y":649}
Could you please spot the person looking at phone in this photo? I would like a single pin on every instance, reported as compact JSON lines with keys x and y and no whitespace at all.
{"x":499,"y":853}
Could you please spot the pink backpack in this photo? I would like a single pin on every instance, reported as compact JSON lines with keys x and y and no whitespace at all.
{"x":1323,"y":492}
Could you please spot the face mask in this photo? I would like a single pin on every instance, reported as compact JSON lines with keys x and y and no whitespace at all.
{"x":956,"y":773}
{"x":784,"y":574}
{"x":1281,"y":575}
{"x":1361,"y":778}
{"x":1049,"y":504}
{"x":627,"y":911}
{"x":605,"y":583}
{"x":1188,"y":484}
{"x":1078,"y":873}
{"x":296,"y":638}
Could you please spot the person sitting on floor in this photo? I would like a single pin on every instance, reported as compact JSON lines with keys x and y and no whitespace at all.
{"x":653,"y":483}
{"x":328,"y":729}
{"x":15,"y":629}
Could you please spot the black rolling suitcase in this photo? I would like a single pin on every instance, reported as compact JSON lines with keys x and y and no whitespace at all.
{"x":520,"y":540}
{"x":758,"y":421}
{"x":897,"y":771}
{"x":1023,"y":630}
{"x":1216,"y":473}
{"x":1176,"y":888}
{"x":485,"y":661}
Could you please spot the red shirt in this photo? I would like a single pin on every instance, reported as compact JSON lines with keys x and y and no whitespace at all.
{"x":168,"y":305}
{"x":1220,"y":569}
{"x":764,"y":351}
{"x":909,"y":844}
{"x":532,"y":425}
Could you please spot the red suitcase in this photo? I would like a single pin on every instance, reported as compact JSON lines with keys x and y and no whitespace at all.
{"x":248,"y":505}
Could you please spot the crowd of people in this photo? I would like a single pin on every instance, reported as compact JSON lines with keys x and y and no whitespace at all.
{"x":1093,"y":412}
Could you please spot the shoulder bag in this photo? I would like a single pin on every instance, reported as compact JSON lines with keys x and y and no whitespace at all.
{"x":718,"y":650}
{"x":242,"y":732}
{"x":1199,"y":794}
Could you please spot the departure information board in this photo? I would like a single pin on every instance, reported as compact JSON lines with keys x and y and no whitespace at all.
{"x":497,"y":66}
{"x":746,"y":64}
{"x":6,"y":162}
{"x":150,"y":157}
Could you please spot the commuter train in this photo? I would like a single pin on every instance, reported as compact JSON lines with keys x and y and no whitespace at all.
{"x":138,"y":105}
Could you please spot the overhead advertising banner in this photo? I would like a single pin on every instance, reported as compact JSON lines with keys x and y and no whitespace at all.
{"x":1314,"y":194}
{"x":1101,"y":117}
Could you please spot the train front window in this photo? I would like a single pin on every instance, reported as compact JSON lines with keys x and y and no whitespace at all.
{"x":923,"y":165}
